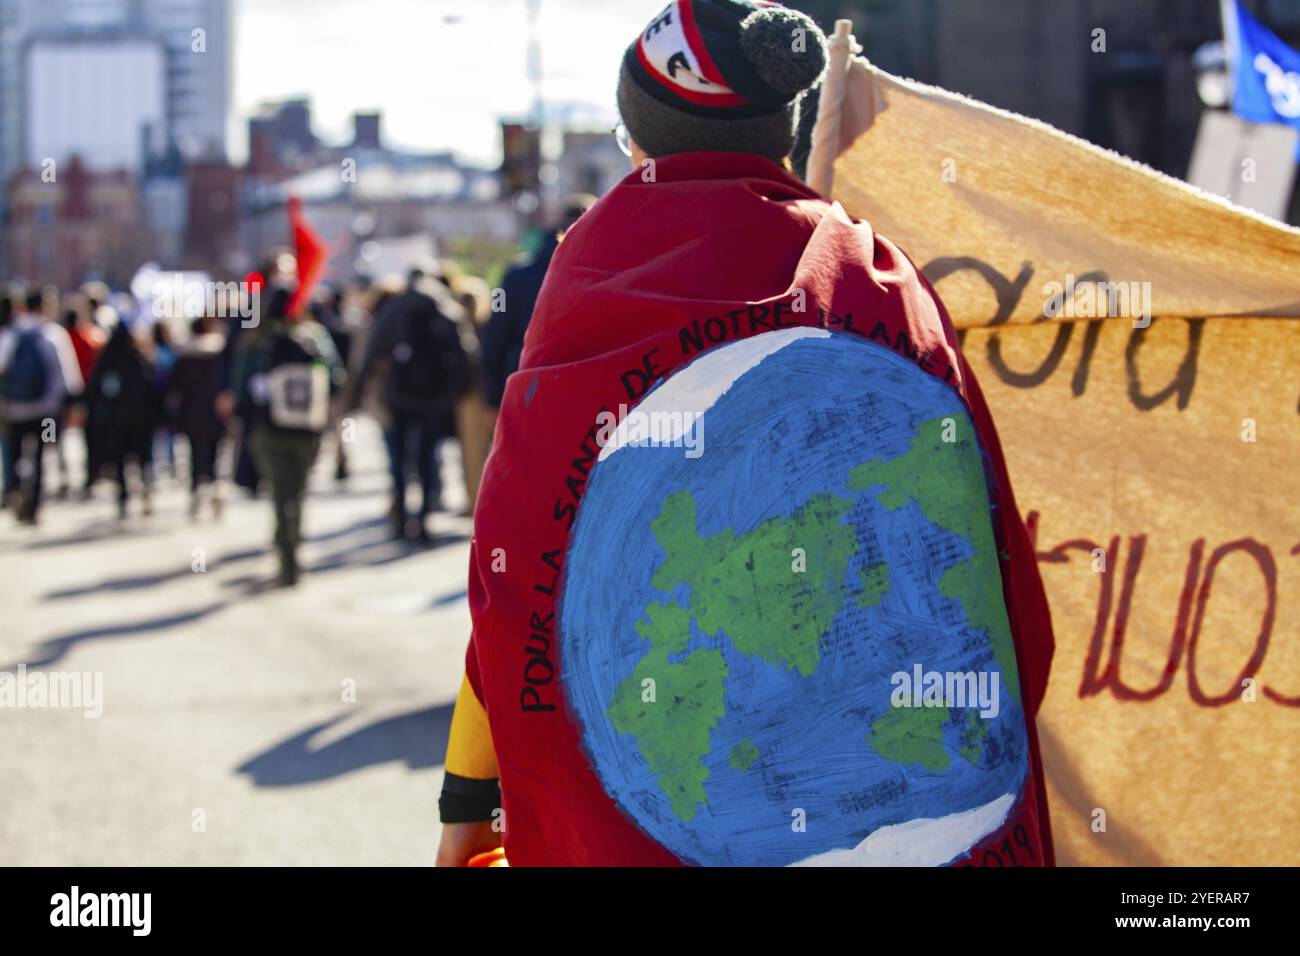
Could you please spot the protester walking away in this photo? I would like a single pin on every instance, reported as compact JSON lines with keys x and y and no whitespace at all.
{"x":280,"y":268}
{"x":474,"y":420}
{"x":285,"y":373}
{"x":191,"y":405}
{"x":503,"y":334}
{"x":88,"y":339}
{"x":369,"y":398}
{"x":38,"y":372}
{"x":122,"y":413}
{"x":416,"y":340}
{"x":753,"y":631}
{"x":332,"y":311}
{"x":73,"y":321}
{"x":162,"y":354}
{"x":7,"y":483}
{"x":73,"y":379}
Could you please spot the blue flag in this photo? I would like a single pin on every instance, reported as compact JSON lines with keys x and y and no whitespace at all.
{"x":1266,"y":72}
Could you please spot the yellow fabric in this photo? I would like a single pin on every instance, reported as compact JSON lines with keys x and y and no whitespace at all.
{"x":469,"y":745}
{"x":1135,"y":441}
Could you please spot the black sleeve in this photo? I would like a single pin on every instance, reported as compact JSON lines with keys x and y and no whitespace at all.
{"x":465,"y":800}
{"x":497,"y":334}
{"x":379,"y":342}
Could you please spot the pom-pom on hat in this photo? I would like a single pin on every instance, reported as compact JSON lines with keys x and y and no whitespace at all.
{"x":720,"y":75}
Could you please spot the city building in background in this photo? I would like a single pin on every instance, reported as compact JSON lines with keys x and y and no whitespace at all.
{"x":99,"y":97}
{"x":11,"y":119}
{"x":115,"y":85}
{"x":135,"y":97}
{"x":363,"y":196}
{"x":213,"y":207}
{"x":591,"y":162}
{"x":280,"y":139}
{"x":192,"y":38}
{"x":84,"y":225}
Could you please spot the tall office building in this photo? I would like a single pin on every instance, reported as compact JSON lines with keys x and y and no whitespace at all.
{"x":11,"y":113}
{"x":51,"y":47}
{"x":200,"y":70}
{"x":100,"y":97}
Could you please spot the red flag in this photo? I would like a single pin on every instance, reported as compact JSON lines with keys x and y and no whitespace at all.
{"x":312,"y":253}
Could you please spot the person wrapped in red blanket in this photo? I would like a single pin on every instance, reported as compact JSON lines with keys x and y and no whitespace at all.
{"x":710,"y":248}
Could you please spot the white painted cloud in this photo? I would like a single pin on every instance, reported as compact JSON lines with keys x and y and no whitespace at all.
{"x":921,"y":842}
{"x":697,"y":388}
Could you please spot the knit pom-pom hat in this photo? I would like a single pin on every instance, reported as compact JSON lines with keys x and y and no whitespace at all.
{"x":720,"y":75}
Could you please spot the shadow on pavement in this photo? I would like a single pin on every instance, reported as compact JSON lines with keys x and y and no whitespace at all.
{"x":53,"y":649}
{"x":141,"y":581}
{"x":374,"y":553}
{"x":418,"y":739}
{"x":383,"y":551}
{"x":135,"y":582}
{"x":366,"y":523}
{"x":454,"y":597}
{"x":102,"y":530}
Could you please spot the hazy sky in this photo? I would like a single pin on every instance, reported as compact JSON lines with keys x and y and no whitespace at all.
{"x":442,"y":71}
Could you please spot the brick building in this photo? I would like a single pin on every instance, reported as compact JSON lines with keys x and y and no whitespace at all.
{"x":70,"y":224}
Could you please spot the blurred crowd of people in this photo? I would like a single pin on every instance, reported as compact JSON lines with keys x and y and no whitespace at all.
{"x":252,"y":402}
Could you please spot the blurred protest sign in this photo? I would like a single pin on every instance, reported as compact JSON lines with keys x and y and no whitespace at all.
{"x":170,"y":294}
{"x":1136,"y":340}
{"x":1252,"y":164}
{"x":396,"y":255}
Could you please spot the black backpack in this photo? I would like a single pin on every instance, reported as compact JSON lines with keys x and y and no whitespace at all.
{"x":430,"y":366}
{"x":27,"y":376}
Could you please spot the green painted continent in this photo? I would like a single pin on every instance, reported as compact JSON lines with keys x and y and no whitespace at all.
{"x":875,"y":582}
{"x":911,"y":735}
{"x":972,"y":737}
{"x":748,"y":584}
{"x":743,"y":755}
{"x":672,"y":717}
{"x":946,"y":479}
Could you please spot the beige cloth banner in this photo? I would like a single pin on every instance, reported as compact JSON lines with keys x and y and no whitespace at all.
{"x":1137,"y":344}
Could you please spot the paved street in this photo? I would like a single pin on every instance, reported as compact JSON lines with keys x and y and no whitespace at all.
{"x":240,"y":725}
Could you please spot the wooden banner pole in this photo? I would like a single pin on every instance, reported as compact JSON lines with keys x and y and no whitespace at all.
{"x":826,"y":134}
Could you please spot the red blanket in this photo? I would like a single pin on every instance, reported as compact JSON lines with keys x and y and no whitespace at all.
{"x":716,"y":248}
